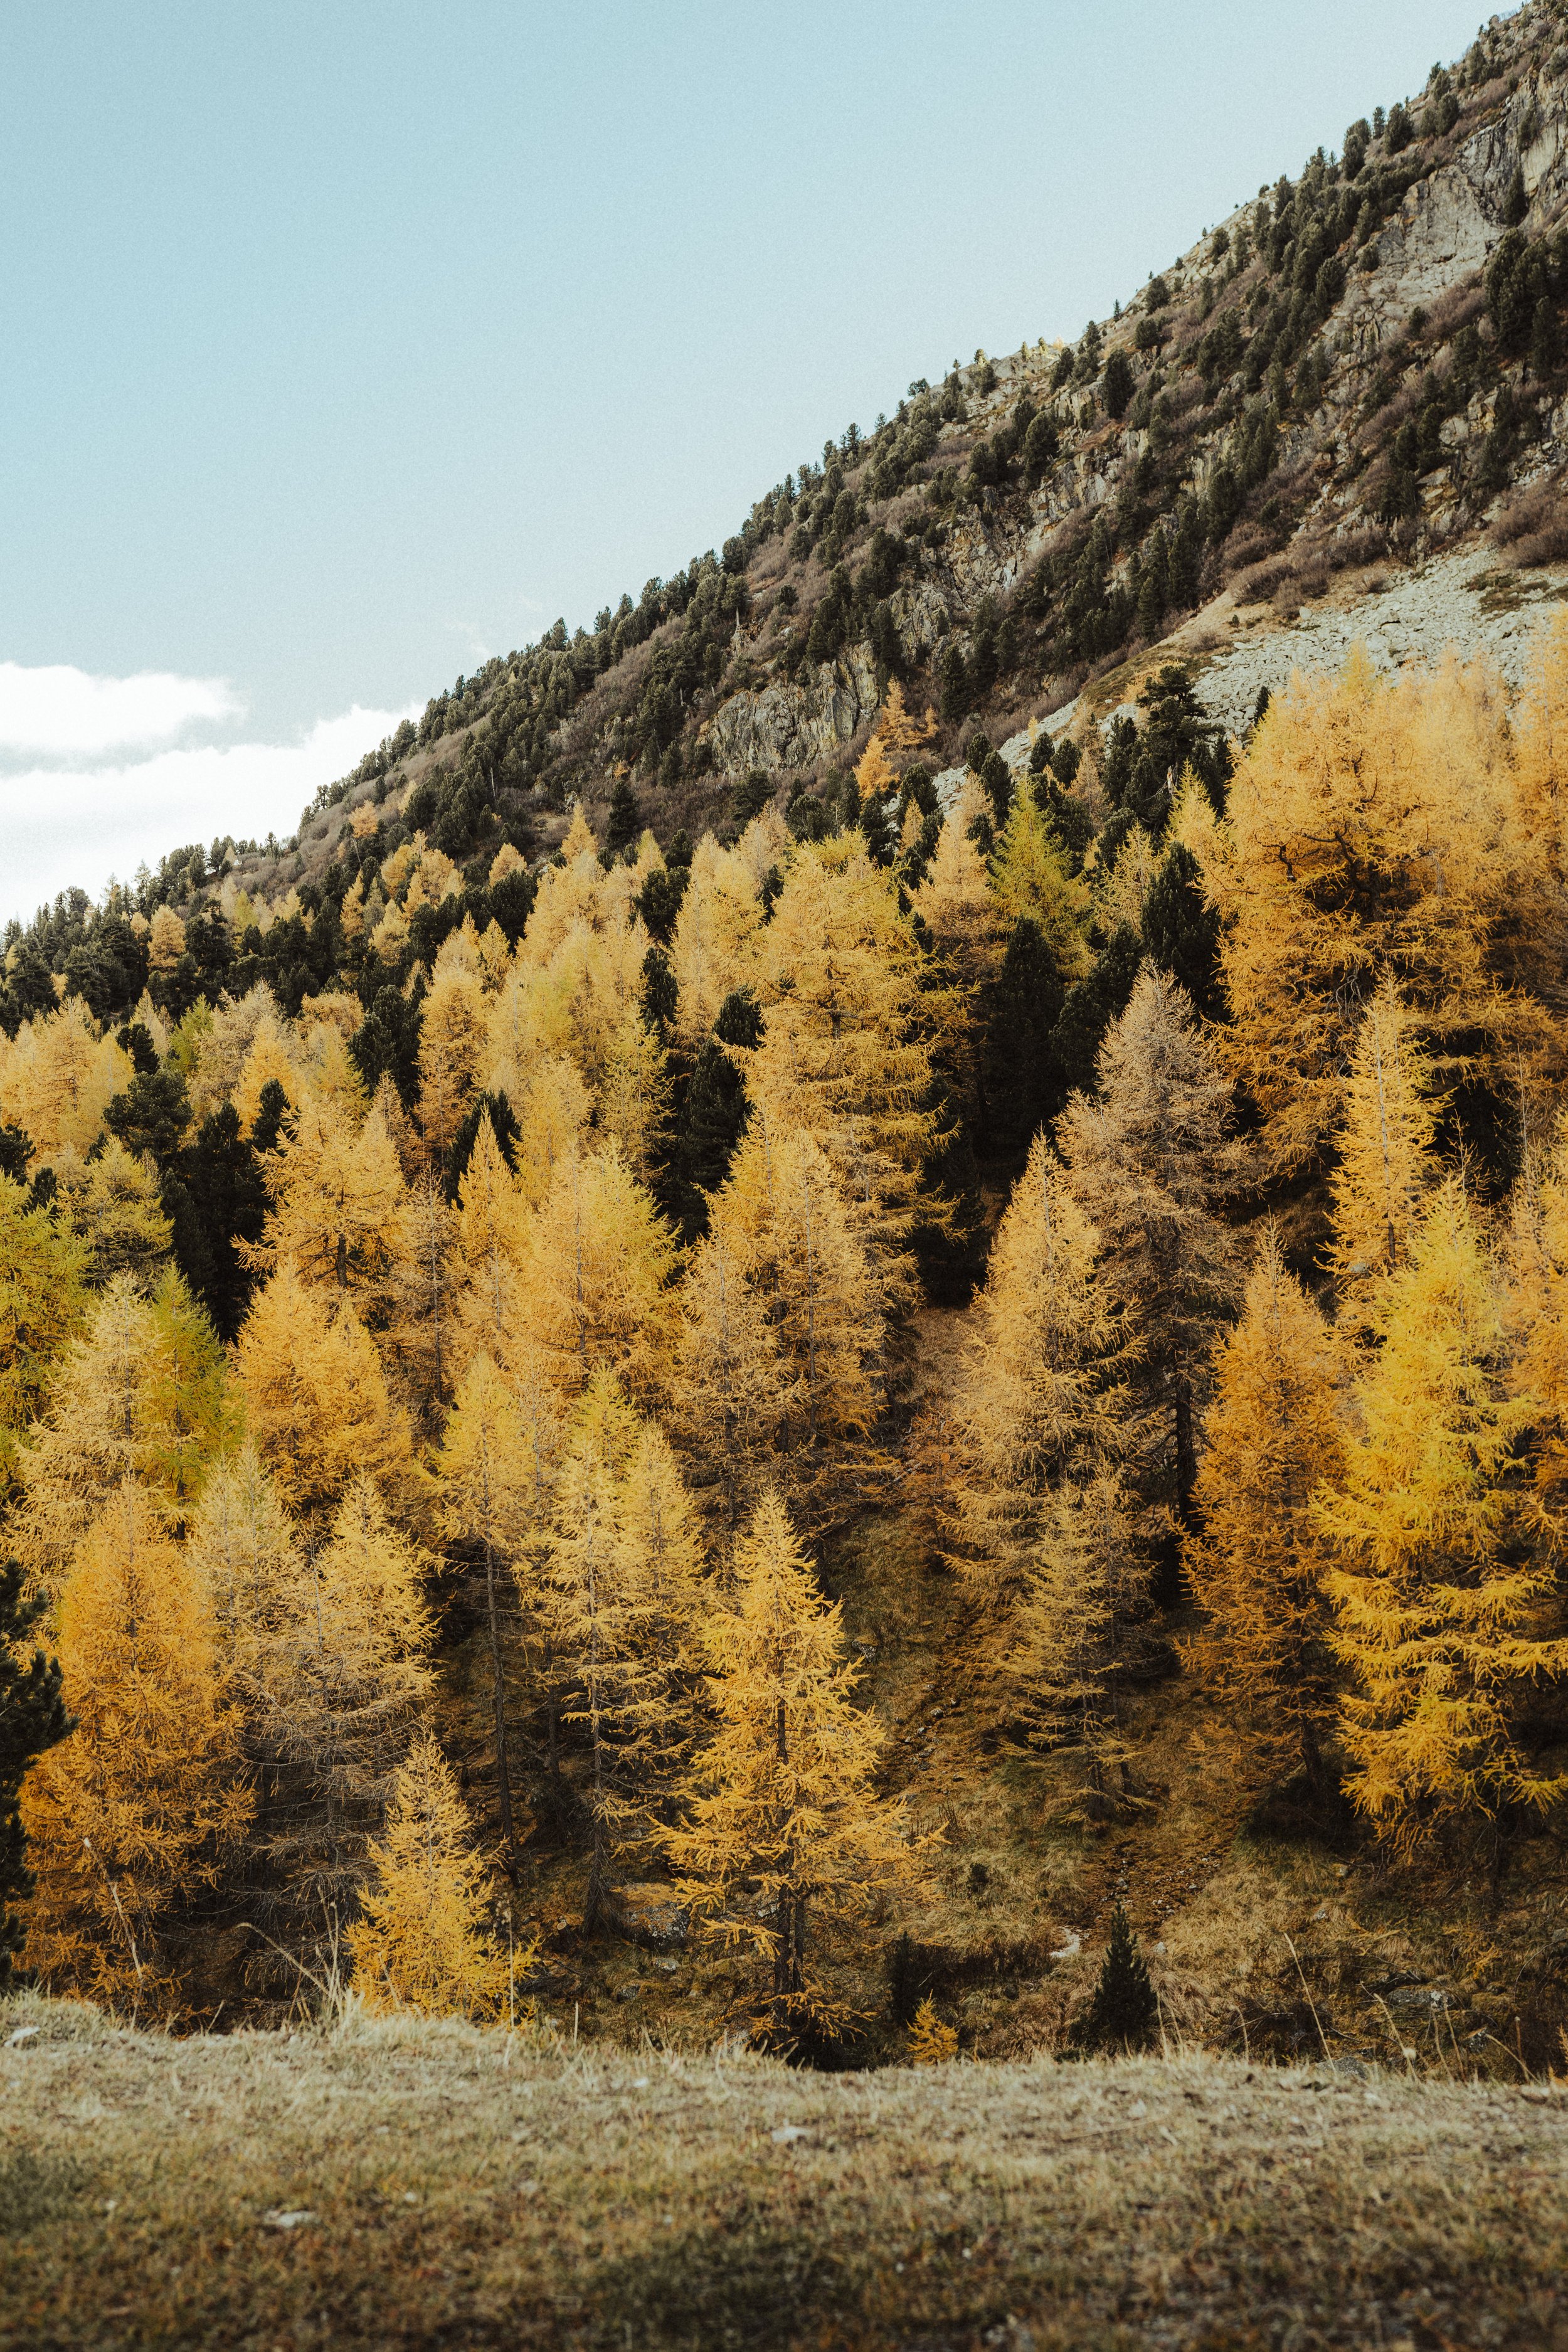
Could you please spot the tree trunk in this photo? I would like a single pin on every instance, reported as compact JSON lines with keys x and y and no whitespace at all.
{"x":503,"y":1774}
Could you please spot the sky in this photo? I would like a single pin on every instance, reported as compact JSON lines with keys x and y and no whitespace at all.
{"x":351,"y":343}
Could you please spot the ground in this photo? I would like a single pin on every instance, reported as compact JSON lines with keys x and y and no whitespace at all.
{"x":409,"y":2184}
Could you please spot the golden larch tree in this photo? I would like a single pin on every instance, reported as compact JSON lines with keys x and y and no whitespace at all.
{"x":489,"y":1498}
{"x":339,"y":1207}
{"x":352,"y":1678}
{"x":421,"y":1335}
{"x":451,"y":1053}
{"x":1438,"y":1596}
{"x":785,"y":1836}
{"x":114,"y":1208}
{"x":1373,"y":831}
{"x":1257,"y":1559}
{"x":1034,"y":1405}
{"x":44,"y":1305}
{"x":316,"y":1398}
{"x":846,"y":1054}
{"x":1152,"y":1160}
{"x":140,"y":1806}
{"x":1384,"y":1162}
{"x":145,"y":1394}
{"x":423,"y":1939}
{"x":599,"y":1261}
{"x":733,"y":1390}
{"x":619,"y":1554}
{"x":246,"y":1550}
{"x":807,"y":1256}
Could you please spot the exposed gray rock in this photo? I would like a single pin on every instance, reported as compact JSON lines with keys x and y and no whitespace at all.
{"x":794,"y":726}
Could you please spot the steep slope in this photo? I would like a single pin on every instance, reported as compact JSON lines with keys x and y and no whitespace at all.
{"x":1344,"y":383}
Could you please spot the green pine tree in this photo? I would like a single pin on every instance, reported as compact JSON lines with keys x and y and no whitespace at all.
{"x":1124,"y":2011}
{"x":32,"y":1717}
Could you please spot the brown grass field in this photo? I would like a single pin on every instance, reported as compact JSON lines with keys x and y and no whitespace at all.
{"x":415,"y":2184}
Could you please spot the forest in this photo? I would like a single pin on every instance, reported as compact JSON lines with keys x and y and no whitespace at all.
{"x":438,"y":1393}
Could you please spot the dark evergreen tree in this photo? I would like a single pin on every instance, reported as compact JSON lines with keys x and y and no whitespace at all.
{"x":502,"y":1117}
{"x":136,"y":1039}
{"x":15,"y":1151}
{"x":997,"y":778}
{"x":1091,"y":1005}
{"x":956,"y":701}
{"x":658,"y":900}
{"x":1024,"y":1004}
{"x":386,"y":1043}
{"x":1182,"y":930}
{"x":623,"y":828}
{"x":1516,"y":204}
{"x":659,"y":994}
{"x":715,"y":1107}
{"x":153,"y":1113}
{"x":32,"y":1717}
{"x":271,"y":1113}
{"x":221,"y":1200}
{"x":26,"y":987}
{"x":511,"y":903}
{"x":1124,"y":2011}
{"x":1117,"y":389}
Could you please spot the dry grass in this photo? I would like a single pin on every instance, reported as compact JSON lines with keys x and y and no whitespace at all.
{"x":452,"y":2188}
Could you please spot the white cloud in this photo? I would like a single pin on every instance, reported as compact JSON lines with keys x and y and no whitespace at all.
{"x":84,"y":824}
{"x":64,"y":713}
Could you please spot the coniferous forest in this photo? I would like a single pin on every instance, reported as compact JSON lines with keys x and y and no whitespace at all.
{"x":479,"y":1457}
{"x":833,"y":1317}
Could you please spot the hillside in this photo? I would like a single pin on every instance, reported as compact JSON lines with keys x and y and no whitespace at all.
{"x":923,"y":1191}
{"x":404,"y":2185}
{"x":1358,"y":373}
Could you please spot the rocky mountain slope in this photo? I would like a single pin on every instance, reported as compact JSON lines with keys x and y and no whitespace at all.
{"x":1341,"y":412}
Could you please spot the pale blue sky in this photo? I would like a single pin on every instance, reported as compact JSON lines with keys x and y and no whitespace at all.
{"x":348,"y":344}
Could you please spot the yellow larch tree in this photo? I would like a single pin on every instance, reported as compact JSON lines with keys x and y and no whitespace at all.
{"x":1385,"y":1163}
{"x":489,"y":1499}
{"x":718,"y":936}
{"x":57,"y":1077}
{"x":423,"y":1938}
{"x":1439,"y":1597}
{"x":809,"y":1257}
{"x":140,"y":1806}
{"x":421,"y":1333}
{"x":1255,"y":1563}
{"x":352,"y":1679}
{"x":1152,"y":1160}
{"x":1537,"y":1308}
{"x":1541,"y":746}
{"x":733,"y":1390}
{"x":1066,"y":1632}
{"x":1034,"y":1406}
{"x":44,"y":1305}
{"x":635,"y":1096}
{"x":316,"y":1398}
{"x":451,"y":1053}
{"x":958,"y":906}
{"x":166,"y":941}
{"x":1031,"y":878}
{"x":144,"y":1394}
{"x":622,"y":1594}
{"x":111,"y":1203}
{"x":1374,"y":830}
{"x":784,"y":1836}
{"x":844,"y":1057}
{"x":599,"y":1263}
{"x":338,"y":1208}
{"x":245,"y":1550}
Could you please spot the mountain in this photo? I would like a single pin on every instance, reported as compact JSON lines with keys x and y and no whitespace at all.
{"x":1344,"y":411}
